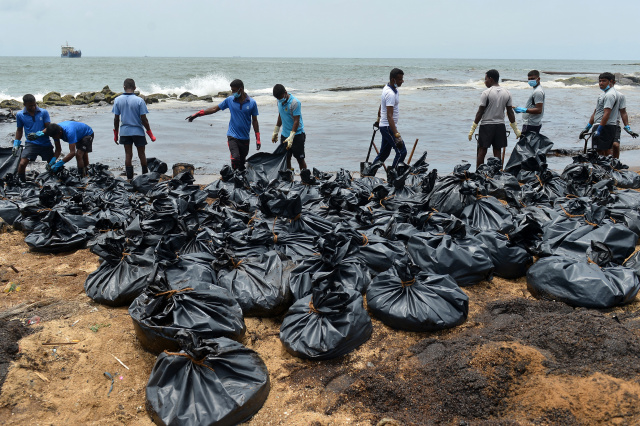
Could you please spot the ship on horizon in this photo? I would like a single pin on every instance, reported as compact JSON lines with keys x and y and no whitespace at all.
{"x":70,"y":52}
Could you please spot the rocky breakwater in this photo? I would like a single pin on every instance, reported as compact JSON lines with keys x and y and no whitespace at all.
{"x":621,"y":79}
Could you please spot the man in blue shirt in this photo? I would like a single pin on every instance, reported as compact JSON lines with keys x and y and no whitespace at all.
{"x":244,"y":113}
{"x":80,"y":139}
{"x":32,"y":121}
{"x":133,"y":111}
{"x":290,"y":118}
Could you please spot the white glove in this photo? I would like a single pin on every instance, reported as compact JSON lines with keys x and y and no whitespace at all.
{"x":274,"y":137}
{"x":473,"y":129}
{"x":514,"y":126}
{"x":289,"y":140}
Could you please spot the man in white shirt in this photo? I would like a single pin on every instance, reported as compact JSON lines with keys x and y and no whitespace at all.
{"x":388,"y":119}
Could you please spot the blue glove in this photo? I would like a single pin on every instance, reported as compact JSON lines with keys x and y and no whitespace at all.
{"x":16,"y":145}
{"x":57,"y":166}
{"x":518,"y":110}
{"x":598,"y":130}
{"x":627,"y":129}
{"x":34,"y":136}
{"x":585,"y":131}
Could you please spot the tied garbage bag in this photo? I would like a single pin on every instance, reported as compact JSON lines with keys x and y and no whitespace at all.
{"x":259,"y":284}
{"x":156,"y":165}
{"x":328,"y":323}
{"x":409,"y":299}
{"x":209,"y":382}
{"x":57,"y":232}
{"x":578,"y":282}
{"x":451,"y":194}
{"x":510,"y":260}
{"x":9,"y":162}
{"x":529,"y":154}
{"x":488,"y":214}
{"x":159,"y":313}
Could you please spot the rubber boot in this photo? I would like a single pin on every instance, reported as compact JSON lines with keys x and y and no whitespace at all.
{"x":22,"y":177}
{"x":145,"y":170}
{"x":129,"y":170}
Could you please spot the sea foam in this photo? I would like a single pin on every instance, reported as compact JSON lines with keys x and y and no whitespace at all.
{"x":209,"y":84}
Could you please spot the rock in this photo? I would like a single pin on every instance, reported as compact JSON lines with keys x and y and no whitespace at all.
{"x":51,"y":97}
{"x":109,"y":97}
{"x":188,"y":98}
{"x":86,"y":97}
{"x":223,"y":94}
{"x":207,"y":98}
{"x":627,"y":80}
{"x":11,"y":104}
{"x":106,"y":90}
{"x":103,"y":103}
{"x":151,"y":100}
{"x":99,"y":97}
{"x":158,"y":95}
{"x":585,"y":81}
{"x":186,"y":94}
{"x":7,"y":117}
{"x":68,"y":98}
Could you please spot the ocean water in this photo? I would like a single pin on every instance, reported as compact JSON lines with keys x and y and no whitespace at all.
{"x":438,"y":102}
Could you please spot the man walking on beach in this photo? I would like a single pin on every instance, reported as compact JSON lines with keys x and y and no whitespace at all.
{"x":244,"y":113}
{"x":532,"y":113}
{"x":290,"y":118}
{"x":388,"y":119}
{"x":606,"y":115}
{"x":622,"y":102}
{"x":80,"y":139}
{"x":33,"y":121}
{"x":133,"y":111}
{"x":493,"y":103}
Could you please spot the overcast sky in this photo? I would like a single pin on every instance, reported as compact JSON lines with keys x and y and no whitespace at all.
{"x":490,"y":29}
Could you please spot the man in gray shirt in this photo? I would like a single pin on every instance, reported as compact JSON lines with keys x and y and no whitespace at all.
{"x":532,"y":113}
{"x":605,"y":115}
{"x":622,"y":105}
{"x":493,"y":103}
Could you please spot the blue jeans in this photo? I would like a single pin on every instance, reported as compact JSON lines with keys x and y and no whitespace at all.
{"x":389,"y":143}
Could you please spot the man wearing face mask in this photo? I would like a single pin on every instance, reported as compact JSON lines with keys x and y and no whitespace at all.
{"x":605,"y":115}
{"x":532,"y":113}
{"x":244,"y":113}
{"x":388,"y":119}
{"x":290,"y":118}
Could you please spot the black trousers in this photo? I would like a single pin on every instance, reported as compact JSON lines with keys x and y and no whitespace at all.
{"x":239,"y":148}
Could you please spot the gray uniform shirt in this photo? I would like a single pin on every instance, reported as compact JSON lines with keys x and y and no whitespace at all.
{"x":622,"y":104}
{"x":495,"y":99}
{"x":537,"y":97}
{"x":608,"y":99}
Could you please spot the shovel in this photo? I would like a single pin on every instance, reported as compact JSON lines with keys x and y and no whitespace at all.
{"x":586,"y":141}
{"x":364,"y":165}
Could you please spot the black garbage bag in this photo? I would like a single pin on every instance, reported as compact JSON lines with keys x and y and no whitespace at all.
{"x":630,"y":218}
{"x":9,"y":211}
{"x":328,"y":323}
{"x":159,"y":313}
{"x":379,"y":253}
{"x":156,"y":165}
{"x":308,"y":223}
{"x":209,"y":382}
{"x":264,"y":167}
{"x":466,"y":259}
{"x":9,"y":162}
{"x":146,"y":182}
{"x":530,"y":153}
{"x":274,"y":203}
{"x":370,"y":169}
{"x":58,"y":232}
{"x":488,"y":214}
{"x":633,"y":262}
{"x":451,"y":194}
{"x":409,"y":299}
{"x":259,"y":284}
{"x":117,"y":284}
{"x":510,"y":260}
{"x":578,"y":282}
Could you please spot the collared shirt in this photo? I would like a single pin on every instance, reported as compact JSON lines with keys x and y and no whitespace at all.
{"x":608,"y":99}
{"x":537,"y":97}
{"x":34,"y":124}
{"x":130,"y":107}
{"x":288,"y":110}
{"x":495,"y":100}
{"x":390,"y":97}
{"x":241,"y":113}
{"x":73,"y":131}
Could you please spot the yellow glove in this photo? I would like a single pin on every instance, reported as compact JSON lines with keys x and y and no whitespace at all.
{"x":473,"y":129}
{"x":289,"y":140}
{"x":274,"y":137}
{"x":514,"y":126}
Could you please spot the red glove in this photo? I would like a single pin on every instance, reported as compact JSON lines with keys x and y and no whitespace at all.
{"x":150,"y":133}
{"x":196,"y":115}
{"x":258,"y":144}
{"x":115,"y":136}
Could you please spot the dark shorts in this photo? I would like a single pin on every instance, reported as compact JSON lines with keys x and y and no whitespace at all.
{"x":492,"y":135}
{"x":239,"y":148}
{"x":616,"y":138}
{"x":605,"y":140}
{"x":133,"y":140}
{"x":31,"y":151}
{"x":85,"y":144}
{"x":297,"y":147}
{"x":534,"y":129}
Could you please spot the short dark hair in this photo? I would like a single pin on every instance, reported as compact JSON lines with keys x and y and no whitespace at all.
{"x":607,"y":76}
{"x":395,"y":72}
{"x":237,"y":84}
{"x":534,"y":73}
{"x":129,"y":84}
{"x":494,"y":74}
{"x":52,"y":130}
{"x":28,"y":98}
{"x":278,"y":91}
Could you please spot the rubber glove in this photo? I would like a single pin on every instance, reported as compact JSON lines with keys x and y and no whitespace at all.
{"x":34,"y":136}
{"x":473,"y":129}
{"x":258,"y":143}
{"x":585,"y":131}
{"x":627,"y":129}
{"x":399,"y":141}
{"x":150,"y":133}
{"x":16,"y":145}
{"x":274,"y":137}
{"x":598,"y":130}
{"x":194,"y":116}
{"x":514,"y":126}
{"x":377,"y":123}
{"x":57,"y":166}
{"x":115,"y":136}
{"x":289,"y":140}
{"x":518,"y":110}
{"x":51,"y":163}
